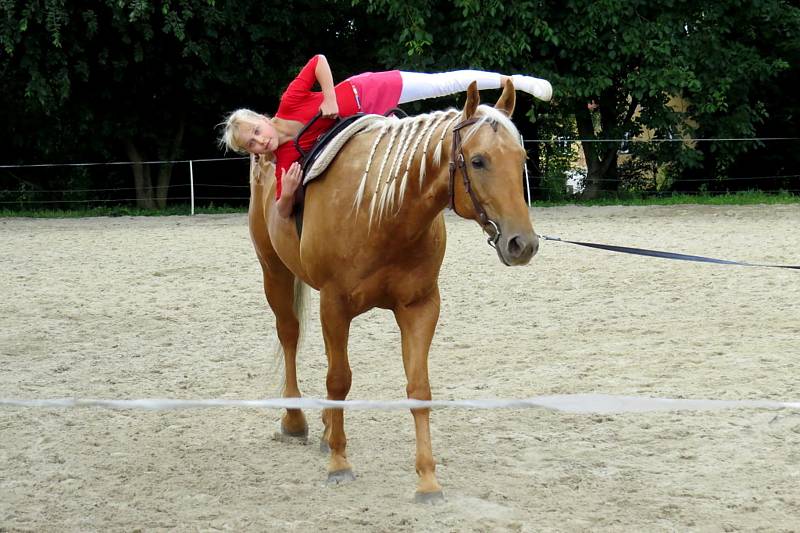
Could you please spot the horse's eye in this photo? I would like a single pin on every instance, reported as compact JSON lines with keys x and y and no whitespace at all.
{"x":478,"y":162}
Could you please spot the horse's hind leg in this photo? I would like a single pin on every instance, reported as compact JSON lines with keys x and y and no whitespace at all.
{"x":279,"y":288}
{"x":417,"y":323}
{"x":336,"y":331}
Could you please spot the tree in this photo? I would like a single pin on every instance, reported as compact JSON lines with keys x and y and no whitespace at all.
{"x":628,"y":56}
{"x":143,"y":80}
{"x":774,"y":165}
{"x":740,"y":51}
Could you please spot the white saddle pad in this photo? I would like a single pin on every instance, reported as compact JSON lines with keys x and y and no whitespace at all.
{"x":337,"y":143}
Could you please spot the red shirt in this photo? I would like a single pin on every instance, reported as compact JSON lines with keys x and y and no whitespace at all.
{"x":300,"y":103}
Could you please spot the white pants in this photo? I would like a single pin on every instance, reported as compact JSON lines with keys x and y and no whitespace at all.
{"x":419,"y":85}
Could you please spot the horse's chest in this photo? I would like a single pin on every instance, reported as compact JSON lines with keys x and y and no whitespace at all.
{"x":390,"y":286}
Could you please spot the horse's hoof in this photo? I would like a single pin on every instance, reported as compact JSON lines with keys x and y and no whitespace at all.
{"x":341,"y":476}
{"x":291,"y":436}
{"x":431,"y":498}
{"x":323,"y":446}
{"x":302,"y":434}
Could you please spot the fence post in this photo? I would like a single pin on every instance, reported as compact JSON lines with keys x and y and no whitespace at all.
{"x":527,"y":179}
{"x":191,"y":184}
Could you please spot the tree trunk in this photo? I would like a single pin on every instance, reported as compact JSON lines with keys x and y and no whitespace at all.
{"x":148,"y":196}
{"x":141,"y":178}
{"x":165,"y":170}
{"x":600,"y":158}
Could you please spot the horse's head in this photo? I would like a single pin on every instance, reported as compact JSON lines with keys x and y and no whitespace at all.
{"x":486,"y":175}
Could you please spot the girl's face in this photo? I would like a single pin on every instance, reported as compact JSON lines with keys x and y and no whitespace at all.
{"x":259,"y":138}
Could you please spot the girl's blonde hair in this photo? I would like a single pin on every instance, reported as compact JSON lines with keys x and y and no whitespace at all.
{"x":228,"y":140}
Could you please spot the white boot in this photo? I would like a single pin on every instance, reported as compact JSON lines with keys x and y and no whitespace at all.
{"x":538,"y":87}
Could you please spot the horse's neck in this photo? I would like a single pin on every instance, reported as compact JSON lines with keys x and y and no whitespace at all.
{"x":418,"y":192}
{"x":434,"y":184}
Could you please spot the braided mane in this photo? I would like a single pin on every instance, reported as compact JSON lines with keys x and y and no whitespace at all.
{"x":407,"y":140}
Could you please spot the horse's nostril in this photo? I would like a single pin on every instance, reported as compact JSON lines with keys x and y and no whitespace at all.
{"x":515,"y":246}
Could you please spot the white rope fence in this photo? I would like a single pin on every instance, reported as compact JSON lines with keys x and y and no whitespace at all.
{"x":568,"y":403}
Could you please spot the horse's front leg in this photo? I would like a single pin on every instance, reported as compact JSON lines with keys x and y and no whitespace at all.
{"x":417,"y":323}
{"x":336,"y":331}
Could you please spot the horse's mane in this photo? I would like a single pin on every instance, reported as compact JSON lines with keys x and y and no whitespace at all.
{"x":408,"y":138}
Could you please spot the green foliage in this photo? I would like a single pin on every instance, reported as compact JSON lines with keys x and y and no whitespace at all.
{"x":737,"y":198}
{"x":126,"y":70}
{"x":104,"y":80}
{"x":736,"y":48}
{"x":628,"y":56}
{"x":127,"y":80}
{"x":557,"y":165}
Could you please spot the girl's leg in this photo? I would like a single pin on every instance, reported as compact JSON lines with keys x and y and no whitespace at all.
{"x":419,"y":85}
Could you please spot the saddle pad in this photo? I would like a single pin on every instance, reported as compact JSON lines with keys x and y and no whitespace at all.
{"x":329,"y":152}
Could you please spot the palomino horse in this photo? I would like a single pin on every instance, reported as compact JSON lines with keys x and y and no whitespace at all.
{"x":374,"y":236}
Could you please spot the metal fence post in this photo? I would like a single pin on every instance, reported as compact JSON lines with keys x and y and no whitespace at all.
{"x":527,"y":179}
{"x":191,"y":184}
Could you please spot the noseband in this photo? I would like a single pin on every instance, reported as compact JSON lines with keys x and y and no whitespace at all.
{"x":457,"y":161}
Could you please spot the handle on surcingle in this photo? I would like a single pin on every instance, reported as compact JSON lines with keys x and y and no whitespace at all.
{"x":302,"y":131}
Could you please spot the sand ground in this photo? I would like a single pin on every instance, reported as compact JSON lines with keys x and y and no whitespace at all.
{"x":172,"y":307}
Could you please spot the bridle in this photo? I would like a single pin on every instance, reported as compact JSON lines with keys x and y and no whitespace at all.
{"x":457,"y":161}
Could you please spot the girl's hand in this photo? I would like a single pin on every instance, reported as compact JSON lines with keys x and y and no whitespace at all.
{"x":290,"y":179}
{"x":329,"y":108}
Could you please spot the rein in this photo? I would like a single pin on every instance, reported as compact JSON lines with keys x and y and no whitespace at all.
{"x":457,"y":162}
{"x":664,"y":255}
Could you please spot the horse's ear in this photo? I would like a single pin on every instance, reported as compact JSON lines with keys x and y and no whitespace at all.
{"x":473,"y":99}
{"x":508,"y":99}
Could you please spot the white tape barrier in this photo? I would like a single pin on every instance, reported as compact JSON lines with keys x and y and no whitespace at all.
{"x":568,"y":403}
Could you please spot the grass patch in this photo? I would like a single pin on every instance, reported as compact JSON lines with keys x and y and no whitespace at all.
{"x":738,"y":198}
{"x":120,"y":211}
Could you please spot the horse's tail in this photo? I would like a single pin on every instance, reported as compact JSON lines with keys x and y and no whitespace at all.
{"x":300,"y":308}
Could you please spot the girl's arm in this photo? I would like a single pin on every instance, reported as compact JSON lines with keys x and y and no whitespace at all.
{"x":329,"y":107}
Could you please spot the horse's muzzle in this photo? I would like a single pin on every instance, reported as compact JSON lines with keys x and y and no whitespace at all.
{"x":517,"y":249}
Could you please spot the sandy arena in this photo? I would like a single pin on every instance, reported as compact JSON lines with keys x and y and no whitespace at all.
{"x":172,"y":307}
